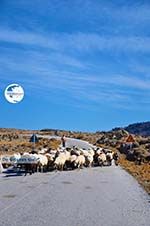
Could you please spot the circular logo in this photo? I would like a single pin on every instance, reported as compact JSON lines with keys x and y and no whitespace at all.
{"x":14,"y":93}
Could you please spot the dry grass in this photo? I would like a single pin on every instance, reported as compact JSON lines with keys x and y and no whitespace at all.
{"x":21,"y":146}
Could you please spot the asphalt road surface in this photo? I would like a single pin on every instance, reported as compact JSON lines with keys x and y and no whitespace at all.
{"x":70,"y":142}
{"x":106,"y":196}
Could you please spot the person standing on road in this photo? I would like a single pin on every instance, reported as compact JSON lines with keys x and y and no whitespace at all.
{"x":63,"y":140}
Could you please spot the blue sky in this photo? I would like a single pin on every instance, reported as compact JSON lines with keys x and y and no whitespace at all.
{"x":84,"y":64}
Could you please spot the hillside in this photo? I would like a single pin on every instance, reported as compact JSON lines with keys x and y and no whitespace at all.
{"x":14,"y":141}
{"x":142,"y":128}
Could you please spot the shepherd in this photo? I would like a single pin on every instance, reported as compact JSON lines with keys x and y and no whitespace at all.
{"x":63,"y":140}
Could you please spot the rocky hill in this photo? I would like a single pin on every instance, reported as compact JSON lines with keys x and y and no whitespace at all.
{"x":142,"y":128}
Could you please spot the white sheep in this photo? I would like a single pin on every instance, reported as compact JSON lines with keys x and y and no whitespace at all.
{"x":53,"y":152}
{"x":69,"y":164}
{"x":60,"y":161}
{"x":91,"y":151}
{"x":51,"y":159}
{"x":50,"y":156}
{"x":43,"y":151}
{"x":98,"y":151}
{"x":109,"y":157}
{"x":84,"y":152}
{"x":89,"y":160}
{"x":80,"y":161}
{"x":101,"y":159}
{"x":72,"y":158}
{"x":110,"y":154}
{"x":67,"y":154}
{"x":76,"y":151}
{"x":42,"y":162}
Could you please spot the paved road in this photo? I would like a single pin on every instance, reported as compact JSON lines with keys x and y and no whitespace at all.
{"x":70,"y":142}
{"x":105,"y":196}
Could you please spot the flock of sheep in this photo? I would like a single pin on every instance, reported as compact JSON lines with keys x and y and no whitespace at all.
{"x":63,"y":159}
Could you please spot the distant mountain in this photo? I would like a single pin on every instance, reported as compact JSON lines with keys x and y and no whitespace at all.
{"x":142,"y":128}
